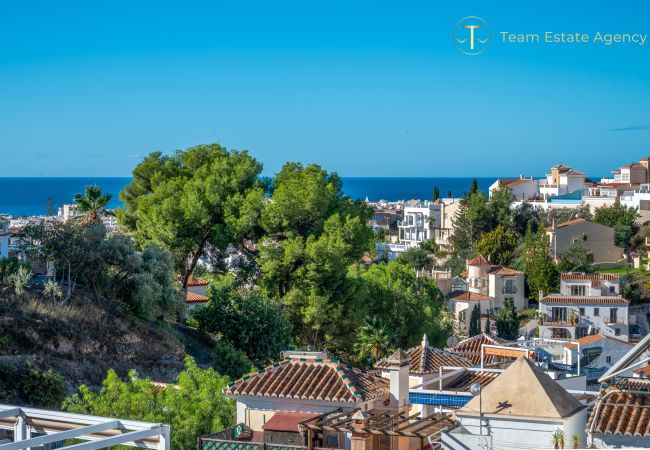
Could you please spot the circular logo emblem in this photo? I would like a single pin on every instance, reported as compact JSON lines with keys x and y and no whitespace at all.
{"x":472,"y":35}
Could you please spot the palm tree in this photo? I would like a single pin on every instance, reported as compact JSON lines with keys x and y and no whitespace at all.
{"x":373,"y":339}
{"x":92,"y":204}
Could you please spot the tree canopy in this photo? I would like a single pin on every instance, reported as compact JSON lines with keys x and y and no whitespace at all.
{"x":196,"y":407}
{"x":194,"y":203}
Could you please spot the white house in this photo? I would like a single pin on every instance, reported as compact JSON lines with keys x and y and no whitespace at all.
{"x":562,"y":180}
{"x":521,"y":408}
{"x":597,"y":354}
{"x":587,"y":304}
{"x":522,"y":188}
{"x":488,"y":288}
{"x":597,"y":238}
{"x":427,"y":220}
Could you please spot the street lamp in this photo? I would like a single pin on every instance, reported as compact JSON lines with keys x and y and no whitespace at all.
{"x":475,"y":389}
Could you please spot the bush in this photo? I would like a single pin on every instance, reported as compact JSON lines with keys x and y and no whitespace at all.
{"x":18,"y":279}
{"x":43,"y":388}
{"x":227,"y":360}
{"x":52,"y":290}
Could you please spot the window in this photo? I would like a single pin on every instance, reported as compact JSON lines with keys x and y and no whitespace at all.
{"x":612,"y":289}
{"x":613,"y":315}
{"x":608,"y":359}
{"x":585,"y":236}
{"x":596,"y":312}
{"x":617,"y":331}
{"x":578,"y":290}
{"x":332,"y":441}
{"x":582,"y":311}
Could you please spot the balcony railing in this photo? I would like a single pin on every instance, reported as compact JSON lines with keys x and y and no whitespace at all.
{"x":510,"y":289}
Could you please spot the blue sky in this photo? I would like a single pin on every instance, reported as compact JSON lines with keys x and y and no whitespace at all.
{"x":366,"y":88}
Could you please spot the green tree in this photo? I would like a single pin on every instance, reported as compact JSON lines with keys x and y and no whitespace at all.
{"x":194,"y":408}
{"x":227,"y":360}
{"x":373,"y":340}
{"x":407,"y":305}
{"x":92,"y":204}
{"x":488,"y":326}
{"x":475,"y":321}
{"x":576,"y":258}
{"x":524,"y":215}
{"x":622,"y":219}
{"x":462,"y":238}
{"x":254,"y":325}
{"x":194,"y":203}
{"x":537,"y":263}
{"x":314,"y":234}
{"x":416,"y":257}
{"x":507,"y":322}
{"x":436,"y":193}
{"x":499,"y":244}
{"x":500,"y":206}
{"x":474,"y":187}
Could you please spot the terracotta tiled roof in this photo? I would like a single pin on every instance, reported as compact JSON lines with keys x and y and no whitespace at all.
{"x":611,"y":300}
{"x":311,"y":379}
{"x":623,"y":413}
{"x":516,"y":181}
{"x":589,"y":276}
{"x":471,"y":348}
{"x":196,"y":281}
{"x":500,"y":270}
{"x":466,"y":296}
{"x":567,"y":223}
{"x":427,"y":360}
{"x":467,"y":379}
{"x":633,"y":166}
{"x":590,"y":339}
{"x":287,"y":421}
{"x":193,"y":297}
{"x":478,"y":260}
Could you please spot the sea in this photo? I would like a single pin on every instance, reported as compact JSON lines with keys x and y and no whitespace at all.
{"x":38,"y":196}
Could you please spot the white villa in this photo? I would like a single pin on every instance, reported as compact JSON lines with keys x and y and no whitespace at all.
{"x":428,"y":220}
{"x":562,"y":180}
{"x":488,"y":286}
{"x":522,"y":188}
{"x":587,"y":304}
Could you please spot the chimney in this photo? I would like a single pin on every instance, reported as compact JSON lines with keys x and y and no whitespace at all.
{"x":398,"y":364}
{"x":425,"y":341}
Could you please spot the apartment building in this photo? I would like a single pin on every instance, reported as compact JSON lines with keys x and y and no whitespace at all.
{"x":428,"y":220}
{"x":586,"y":304}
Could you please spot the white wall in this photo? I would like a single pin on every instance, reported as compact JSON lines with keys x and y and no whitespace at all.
{"x":510,"y":432}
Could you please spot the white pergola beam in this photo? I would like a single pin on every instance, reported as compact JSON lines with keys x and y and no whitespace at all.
{"x":61,"y":436}
{"x":12,"y":412}
{"x":126,"y":438}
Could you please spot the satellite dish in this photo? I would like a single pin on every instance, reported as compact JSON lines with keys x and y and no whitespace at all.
{"x":452,"y":341}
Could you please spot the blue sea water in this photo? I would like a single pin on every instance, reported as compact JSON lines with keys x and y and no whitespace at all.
{"x":34,"y":196}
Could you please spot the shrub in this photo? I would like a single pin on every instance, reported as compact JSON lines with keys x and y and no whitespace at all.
{"x":52,"y":290}
{"x":227,"y":360}
{"x":43,"y":388}
{"x":18,"y":279}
